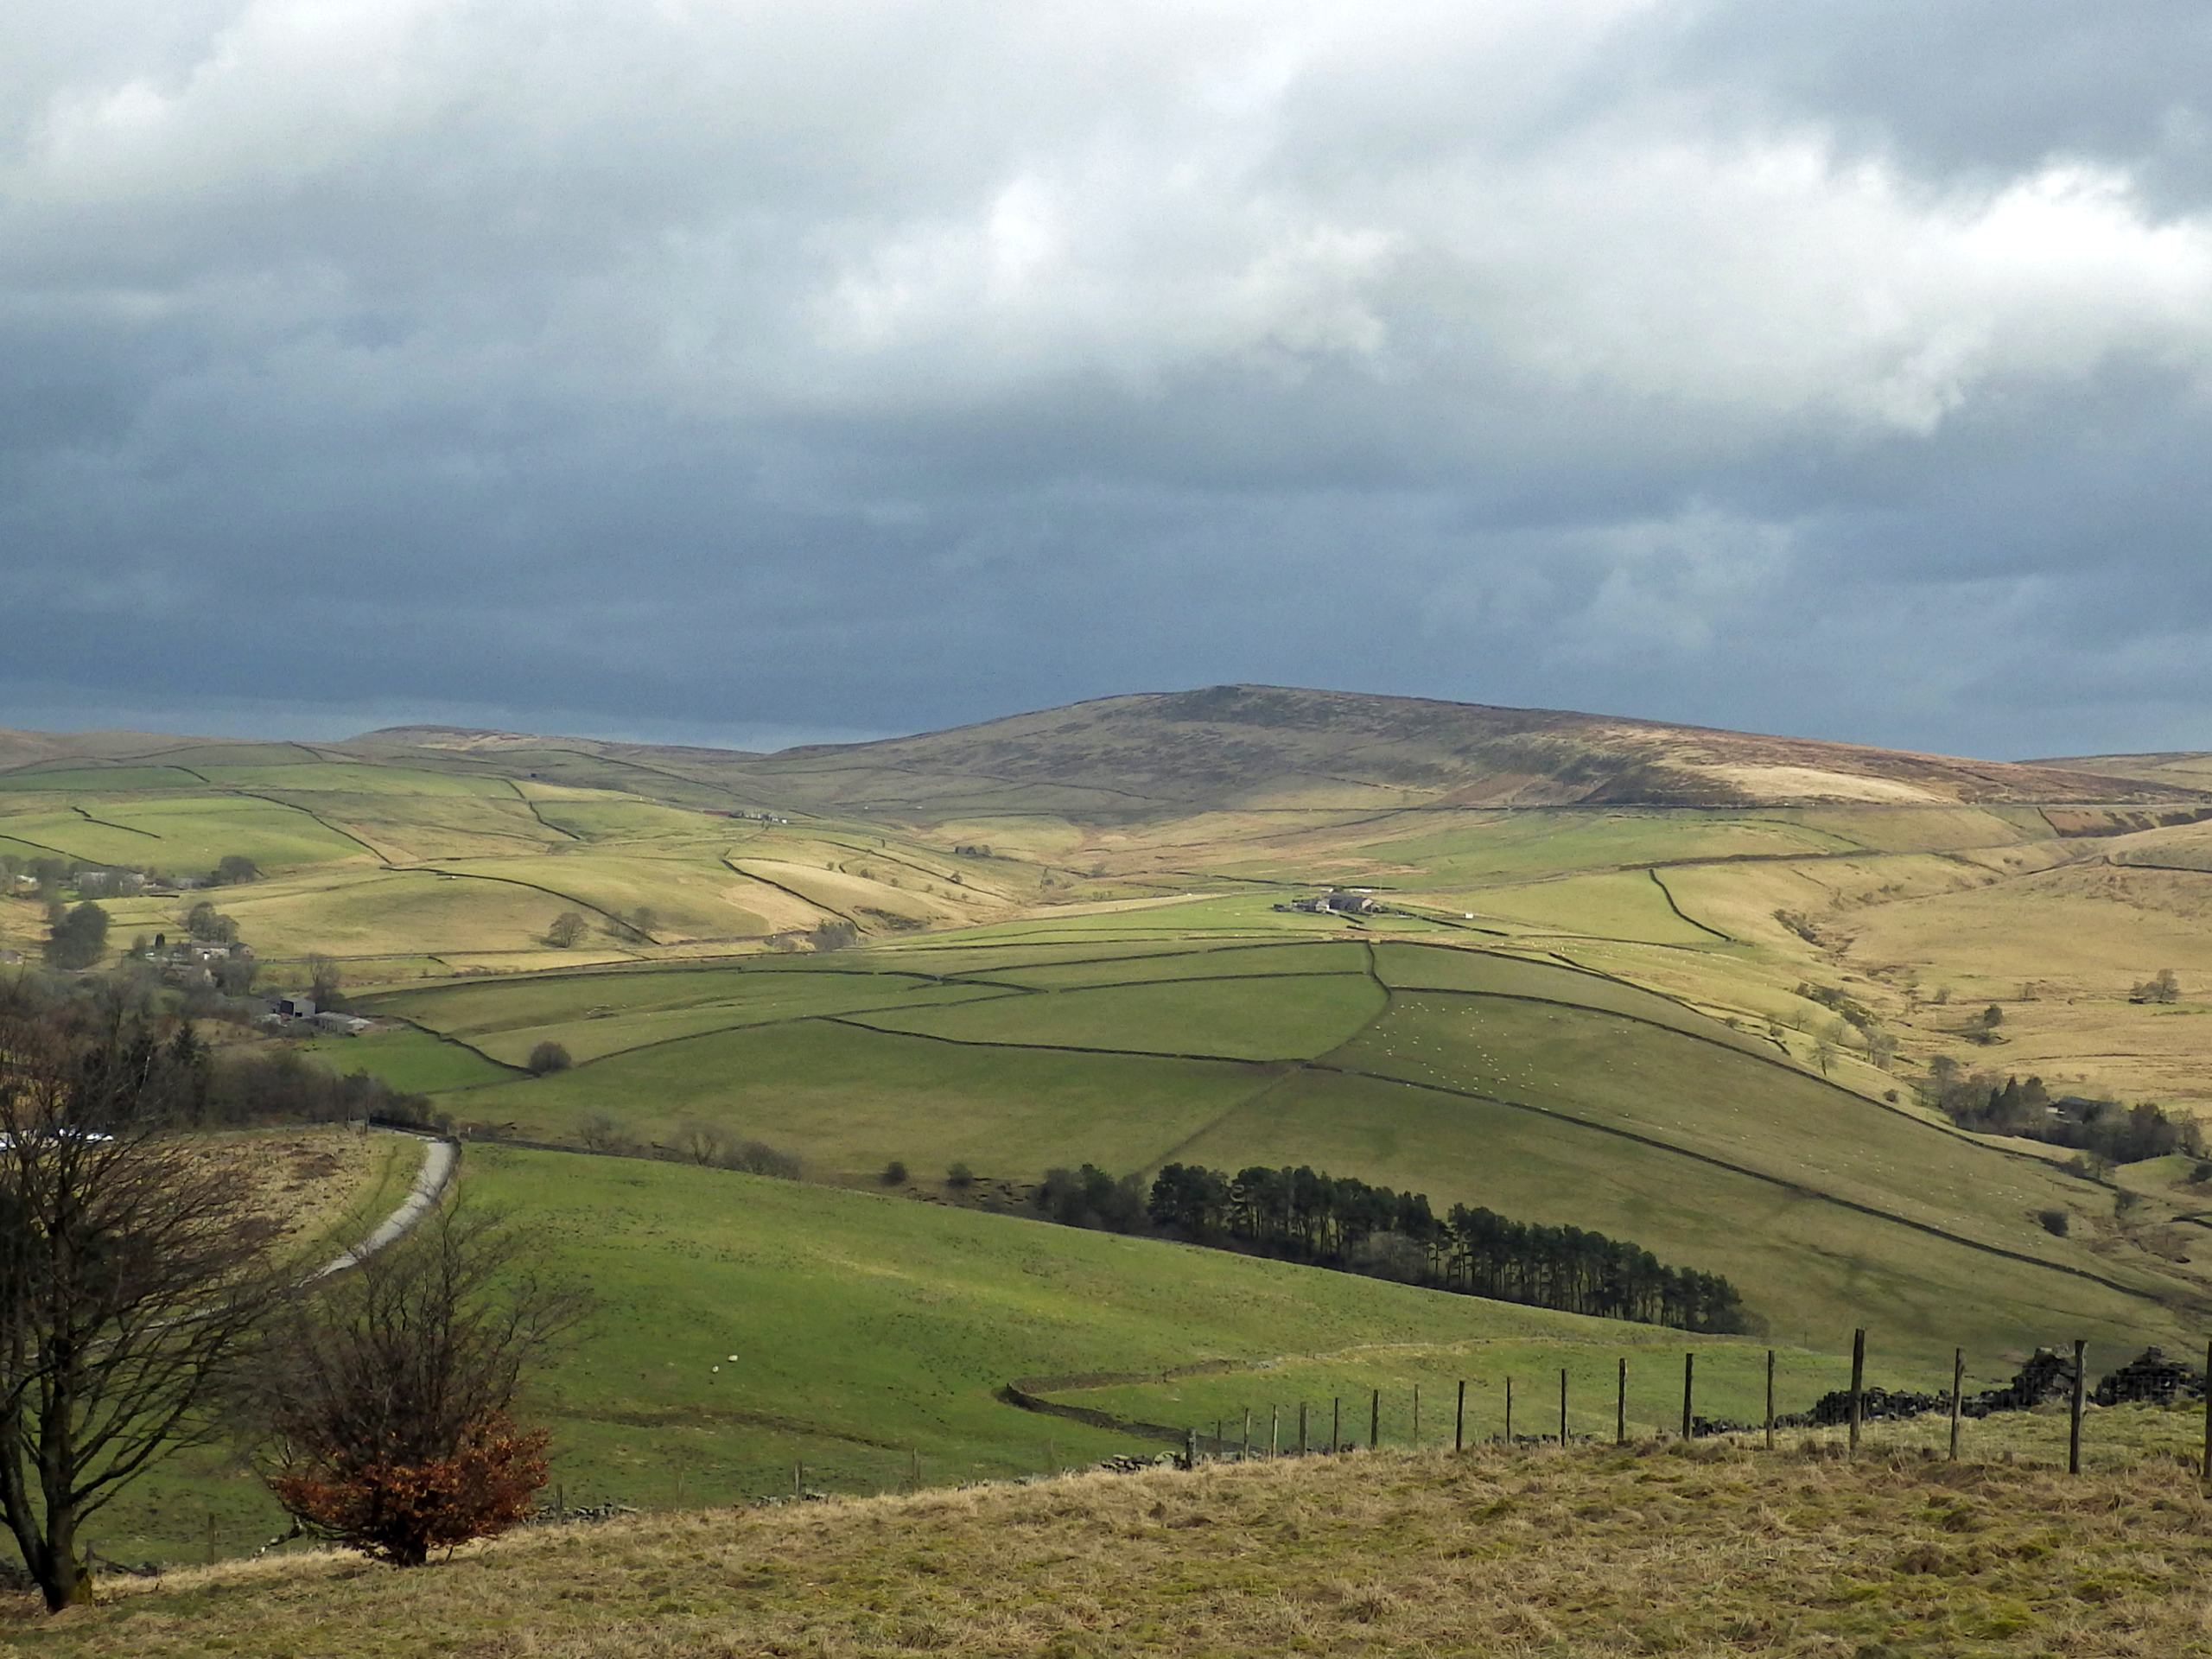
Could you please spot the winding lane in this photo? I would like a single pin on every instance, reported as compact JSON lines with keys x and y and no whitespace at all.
{"x":438,"y":1159}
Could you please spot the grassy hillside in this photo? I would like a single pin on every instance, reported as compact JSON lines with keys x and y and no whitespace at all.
{"x":1665,"y":854}
{"x":1585,"y":1553}
{"x":746,"y":1325}
{"x":404,"y":868}
{"x":1477,"y":1076}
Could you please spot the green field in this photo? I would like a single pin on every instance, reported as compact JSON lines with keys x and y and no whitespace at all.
{"x":847,"y":1100}
{"x":746,"y":1325}
{"x":416,"y":1062}
{"x":1479,"y":1078}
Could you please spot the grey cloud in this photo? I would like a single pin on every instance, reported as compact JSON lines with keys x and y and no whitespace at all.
{"x":1978,"y":88}
{"x":809,"y":369}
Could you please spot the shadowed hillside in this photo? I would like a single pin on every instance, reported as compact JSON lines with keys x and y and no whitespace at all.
{"x":1239,"y":745}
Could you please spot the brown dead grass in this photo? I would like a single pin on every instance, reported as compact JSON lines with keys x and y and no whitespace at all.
{"x":318,"y":1185}
{"x":1711,"y":1551}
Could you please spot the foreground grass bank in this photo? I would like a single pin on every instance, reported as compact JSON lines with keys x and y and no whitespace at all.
{"x":1645,"y":1550}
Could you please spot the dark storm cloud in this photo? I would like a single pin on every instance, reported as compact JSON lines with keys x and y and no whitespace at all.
{"x":750,"y":373}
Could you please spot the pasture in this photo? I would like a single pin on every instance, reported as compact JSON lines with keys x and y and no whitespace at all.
{"x":408,"y":871}
{"x":1481,"y":1077}
{"x":412,"y":861}
{"x":744,"y":1326}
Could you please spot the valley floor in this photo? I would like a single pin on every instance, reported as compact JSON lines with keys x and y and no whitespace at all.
{"x":1649,"y":1549}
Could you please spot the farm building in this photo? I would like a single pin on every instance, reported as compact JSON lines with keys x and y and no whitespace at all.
{"x":205,"y":951}
{"x":2077,"y":1109}
{"x":1337,"y":902}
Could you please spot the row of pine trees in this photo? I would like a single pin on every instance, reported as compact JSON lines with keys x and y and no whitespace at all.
{"x":1340,"y":1221}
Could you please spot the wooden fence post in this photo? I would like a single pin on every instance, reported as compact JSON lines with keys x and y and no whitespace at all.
{"x":1336,"y":1425}
{"x":798,"y":1480}
{"x":1958,"y":1388}
{"x":1770,"y":1399}
{"x":1620,"y":1407}
{"x":914,"y":1466}
{"x":1562,"y":1405}
{"x":1857,"y":1383}
{"x":1274,"y":1430}
{"x":2208,"y":1414}
{"x":1301,"y":1428}
{"x":1375,"y":1421}
{"x":1191,"y":1449}
{"x":1416,"y":1416}
{"x":1689,"y":1382}
{"x":1248,"y":1434}
{"x":1508,"y":1411}
{"x":2074,"y":1429}
{"x":1459,"y":1421}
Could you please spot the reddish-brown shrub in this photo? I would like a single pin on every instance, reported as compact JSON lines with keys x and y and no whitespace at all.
{"x":399,"y":1512}
{"x":389,"y":1396}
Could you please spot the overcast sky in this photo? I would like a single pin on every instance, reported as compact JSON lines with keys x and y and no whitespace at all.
{"x":757,"y":372}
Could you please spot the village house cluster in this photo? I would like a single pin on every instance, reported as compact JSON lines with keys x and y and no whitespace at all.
{"x":195,"y":962}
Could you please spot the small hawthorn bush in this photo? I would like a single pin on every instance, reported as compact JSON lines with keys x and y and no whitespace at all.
{"x":548,"y":1057}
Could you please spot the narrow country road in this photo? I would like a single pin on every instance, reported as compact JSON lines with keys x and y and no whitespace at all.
{"x":439,"y":1157}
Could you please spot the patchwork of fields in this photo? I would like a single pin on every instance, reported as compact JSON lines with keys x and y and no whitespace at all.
{"x":1616,"y":1016}
{"x":407,"y":871}
{"x":1544,"y":1093}
{"x":414,"y":862}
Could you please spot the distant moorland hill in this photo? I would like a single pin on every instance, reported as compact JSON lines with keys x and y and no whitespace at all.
{"x":1244,"y":746}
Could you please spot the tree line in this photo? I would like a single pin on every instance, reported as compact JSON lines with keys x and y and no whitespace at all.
{"x":50,"y":874}
{"x":2103,"y":1129}
{"x":1341,"y":1221}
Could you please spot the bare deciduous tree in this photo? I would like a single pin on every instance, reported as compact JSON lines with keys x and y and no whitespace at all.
{"x":134,"y":1271}
{"x":326,"y":982}
{"x":389,"y":1397}
{"x":602,"y":1133}
{"x":567,"y":930}
{"x":2161,"y":988}
{"x":701,"y":1143}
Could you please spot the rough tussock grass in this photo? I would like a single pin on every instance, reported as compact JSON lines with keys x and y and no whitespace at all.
{"x":1710,"y":1550}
